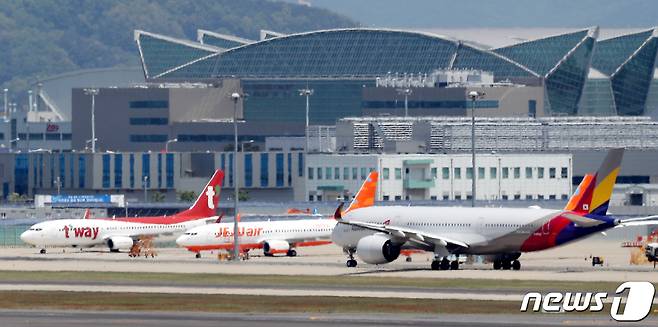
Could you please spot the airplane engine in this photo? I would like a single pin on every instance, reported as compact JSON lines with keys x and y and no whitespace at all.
{"x":119,"y":242}
{"x":275,"y":246}
{"x":377,"y":248}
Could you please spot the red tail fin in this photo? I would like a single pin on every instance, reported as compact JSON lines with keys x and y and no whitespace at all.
{"x":87,"y":214}
{"x":206,"y":204}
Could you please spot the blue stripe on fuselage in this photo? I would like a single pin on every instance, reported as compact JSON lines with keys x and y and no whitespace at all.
{"x":571,"y":232}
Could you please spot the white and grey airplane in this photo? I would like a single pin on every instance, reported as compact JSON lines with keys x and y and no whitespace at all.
{"x":377,"y":234}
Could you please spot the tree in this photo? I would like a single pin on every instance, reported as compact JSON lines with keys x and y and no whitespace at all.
{"x":158,"y":196}
{"x":243,"y":195}
{"x":187,"y":196}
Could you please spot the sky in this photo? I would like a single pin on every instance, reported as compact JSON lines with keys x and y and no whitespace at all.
{"x":495,"y":13}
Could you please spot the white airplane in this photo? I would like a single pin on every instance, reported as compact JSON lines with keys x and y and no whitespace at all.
{"x":122,"y":233}
{"x":378,"y":233}
{"x":279,"y":236}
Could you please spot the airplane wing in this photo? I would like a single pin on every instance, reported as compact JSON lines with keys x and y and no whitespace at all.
{"x":641,"y":221}
{"x":414,"y":236}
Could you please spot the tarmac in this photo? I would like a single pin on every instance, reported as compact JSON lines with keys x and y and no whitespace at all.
{"x":570,"y":262}
{"x":57,"y":318}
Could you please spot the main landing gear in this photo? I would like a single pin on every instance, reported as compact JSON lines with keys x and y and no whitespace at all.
{"x":351,"y":263}
{"x":291,"y":253}
{"x":198,"y":255}
{"x":506,"y":264}
{"x":445,"y":264}
{"x":43,"y":251}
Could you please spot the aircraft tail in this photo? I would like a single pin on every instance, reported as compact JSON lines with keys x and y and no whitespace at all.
{"x":594,"y":192}
{"x":365,"y":197}
{"x":206,"y":204}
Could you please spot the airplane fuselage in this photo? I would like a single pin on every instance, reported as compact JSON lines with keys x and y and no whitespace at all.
{"x":254,"y":233}
{"x":485,"y":230}
{"x":93,"y":232}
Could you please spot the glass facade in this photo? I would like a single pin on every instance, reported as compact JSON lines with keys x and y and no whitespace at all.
{"x":146,"y":169}
{"x":597,"y":98}
{"x":564,"y":84}
{"x":543,"y":54}
{"x":162,"y":54}
{"x":248,"y":170}
{"x":338,"y":63}
{"x":106,"y":171}
{"x":331,"y":53}
{"x":279,"y":100}
{"x":279,"y":170}
{"x":264,"y":165}
{"x":131,"y":162}
{"x":169,"y":167}
{"x":630,"y":61}
{"x":118,"y":170}
{"x":159,"y":170}
{"x":62,"y":170}
{"x":21,"y":173}
{"x":82,"y":171}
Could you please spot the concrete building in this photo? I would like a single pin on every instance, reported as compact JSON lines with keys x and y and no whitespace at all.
{"x":440,"y":177}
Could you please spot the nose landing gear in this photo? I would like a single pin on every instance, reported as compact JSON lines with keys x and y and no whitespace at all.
{"x":351,"y":263}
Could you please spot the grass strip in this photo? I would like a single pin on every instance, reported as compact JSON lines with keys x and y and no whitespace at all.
{"x":244,"y":303}
{"x":174,"y":279}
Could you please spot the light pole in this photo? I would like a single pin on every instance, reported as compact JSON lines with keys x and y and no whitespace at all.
{"x":243,"y":143}
{"x":87,"y":144}
{"x":6,"y":93}
{"x":167,"y":144}
{"x":307,"y":93}
{"x":145,"y":180}
{"x":13,"y":141}
{"x":406,"y":93}
{"x":236,"y":246}
{"x":473,"y":95}
{"x":92,"y":92}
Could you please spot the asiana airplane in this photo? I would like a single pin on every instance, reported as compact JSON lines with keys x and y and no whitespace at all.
{"x":377,"y":234}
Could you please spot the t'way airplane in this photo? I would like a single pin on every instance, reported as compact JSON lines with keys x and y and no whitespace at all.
{"x":122,"y":233}
{"x":378,"y":233}
{"x":279,"y":236}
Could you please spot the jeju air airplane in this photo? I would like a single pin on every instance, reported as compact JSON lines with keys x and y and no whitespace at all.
{"x":377,"y":234}
{"x":273,"y":236}
{"x":122,"y":233}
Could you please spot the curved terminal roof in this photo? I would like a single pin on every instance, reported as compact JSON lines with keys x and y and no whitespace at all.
{"x":349,"y":53}
{"x":561,"y":61}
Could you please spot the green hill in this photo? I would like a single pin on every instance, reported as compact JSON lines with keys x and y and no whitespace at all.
{"x":40,"y":38}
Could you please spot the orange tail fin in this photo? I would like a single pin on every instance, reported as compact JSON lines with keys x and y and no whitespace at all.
{"x":365,"y":197}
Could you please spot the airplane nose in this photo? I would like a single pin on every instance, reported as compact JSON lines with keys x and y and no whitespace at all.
{"x":27,"y":237}
{"x":182,"y":240}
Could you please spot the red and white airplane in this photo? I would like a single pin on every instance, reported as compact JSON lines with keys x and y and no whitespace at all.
{"x":279,"y":236}
{"x":122,"y":233}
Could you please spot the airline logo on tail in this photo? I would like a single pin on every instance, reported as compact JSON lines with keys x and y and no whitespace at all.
{"x":210,"y":194}
{"x":593,"y":193}
{"x":208,"y":199}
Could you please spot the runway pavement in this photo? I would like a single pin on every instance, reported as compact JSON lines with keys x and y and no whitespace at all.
{"x":50,"y":318}
{"x":269,"y":290}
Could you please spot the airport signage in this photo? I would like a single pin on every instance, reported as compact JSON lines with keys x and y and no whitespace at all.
{"x":68,"y":199}
{"x":639,"y":299}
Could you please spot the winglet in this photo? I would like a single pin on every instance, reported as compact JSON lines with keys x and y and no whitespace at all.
{"x":365,"y":197}
{"x":219,"y":219}
{"x":338,"y":215}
